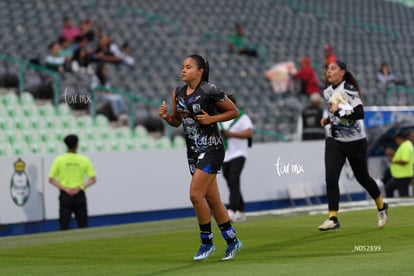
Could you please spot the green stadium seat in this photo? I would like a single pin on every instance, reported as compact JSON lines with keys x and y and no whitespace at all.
{"x":47,"y":110}
{"x":84,"y":146}
{"x":6,"y":150}
{"x":7,"y":122}
{"x":22,"y":122}
{"x":84,"y":122}
{"x":60,"y":133}
{"x":27,"y":99}
{"x":29,"y":110}
{"x":101,"y":121}
{"x":68,"y":122}
{"x":89,"y":133}
{"x":3,"y":120}
{"x":122,"y":132}
{"x":51,"y":122}
{"x":37,"y":147}
{"x":114,"y":145}
{"x":179,"y":142}
{"x":13,"y":109}
{"x":13,"y":136}
{"x":52,"y":147}
{"x":64,"y":110}
{"x":99,"y":146}
{"x":35,"y":121}
{"x":30,"y":135}
{"x":10,"y":98}
{"x":104,"y":133}
{"x":2,"y":149}
{"x":142,"y":143}
{"x":46,"y":135}
{"x":140,"y":131}
{"x":162,"y":143}
{"x":130,"y":144}
{"x":21,"y":148}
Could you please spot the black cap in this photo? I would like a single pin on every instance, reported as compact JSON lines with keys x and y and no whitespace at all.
{"x":71,"y":141}
{"x":402,"y":134}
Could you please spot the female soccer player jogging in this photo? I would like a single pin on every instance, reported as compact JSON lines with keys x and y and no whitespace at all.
{"x":198,"y":106}
{"x":347,"y":140}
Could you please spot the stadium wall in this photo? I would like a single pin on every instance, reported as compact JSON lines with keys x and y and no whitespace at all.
{"x":154,"y":184}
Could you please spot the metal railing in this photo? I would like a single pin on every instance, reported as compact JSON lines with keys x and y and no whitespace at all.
{"x":206,"y":37}
{"x":150,"y":18}
{"x":131,"y":99}
{"x":23,"y":65}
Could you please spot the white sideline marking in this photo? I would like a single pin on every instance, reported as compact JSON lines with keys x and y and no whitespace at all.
{"x":343,"y":206}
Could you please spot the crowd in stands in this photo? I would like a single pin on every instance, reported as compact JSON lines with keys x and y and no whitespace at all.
{"x":81,"y":46}
{"x":85,"y":49}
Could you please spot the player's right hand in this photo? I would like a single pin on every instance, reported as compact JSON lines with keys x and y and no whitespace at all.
{"x":163,"y":110}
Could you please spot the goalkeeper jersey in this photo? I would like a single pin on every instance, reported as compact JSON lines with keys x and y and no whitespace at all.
{"x":342,"y":128}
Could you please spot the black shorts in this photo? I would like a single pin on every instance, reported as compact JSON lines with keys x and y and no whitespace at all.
{"x":209,"y":162}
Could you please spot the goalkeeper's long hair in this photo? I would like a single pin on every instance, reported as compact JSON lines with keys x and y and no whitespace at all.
{"x":349,"y":77}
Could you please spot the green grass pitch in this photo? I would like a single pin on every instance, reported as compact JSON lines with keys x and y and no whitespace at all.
{"x":273,"y":245}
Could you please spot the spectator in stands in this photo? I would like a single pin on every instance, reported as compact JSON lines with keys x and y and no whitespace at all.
{"x":237,"y":136}
{"x":86,"y":30}
{"x":66,"y":51}
{"x":347,"y":140}
{"x":329,"y":57}
{"x":199,"y":106}
{"x":53,"y":59}
{"x":81,"y":62}
{"x":123,"y":53}
{"x":67,"y":173}
{"x":309,"y":126}
{"x":103,"y":52}
{"x":118,"y":110}
{"x":385,"y":76}
{"x":306,"y":74}
{"x":69,"y":31}
{"x":401,"y":168}
{"x":237,"y":44}
{"x":126,"y":52}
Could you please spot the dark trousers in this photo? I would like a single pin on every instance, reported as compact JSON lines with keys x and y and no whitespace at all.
{"x":73,"y":204}
{"x":231,"y":172}
{"x":335,"y":155}
{"x":400,"y":184}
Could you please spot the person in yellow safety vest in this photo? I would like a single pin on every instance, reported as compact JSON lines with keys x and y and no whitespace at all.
{"x":68,"y":173}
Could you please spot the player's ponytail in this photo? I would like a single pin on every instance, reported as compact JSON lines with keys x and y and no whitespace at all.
{"x":349,"y":77}
{"x":206,"y":72}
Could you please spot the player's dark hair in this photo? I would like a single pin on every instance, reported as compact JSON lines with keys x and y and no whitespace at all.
{"x":202,"y":64}
{"x":71,"y":141}
{"x":349,"y":77}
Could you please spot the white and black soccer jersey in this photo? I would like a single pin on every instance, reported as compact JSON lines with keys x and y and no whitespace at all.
{"x":345,"y":124}
{"x":200,"y":138}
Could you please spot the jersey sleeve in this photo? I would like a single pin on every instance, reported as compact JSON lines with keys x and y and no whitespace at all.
{"x":352,"y":95}
{"x":247,"y":122}
{"x":90,"y":170}
{"x":352,"y":98}
{"x":403,"y":153}
{"x":54,"y":170}
{"x":214,"y":93}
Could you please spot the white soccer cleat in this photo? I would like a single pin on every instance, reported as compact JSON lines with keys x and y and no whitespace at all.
{"x":329,"y":224}
{"x":231,"y":214}
{"x":239,"y":216}
{"x":383,"y":215}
